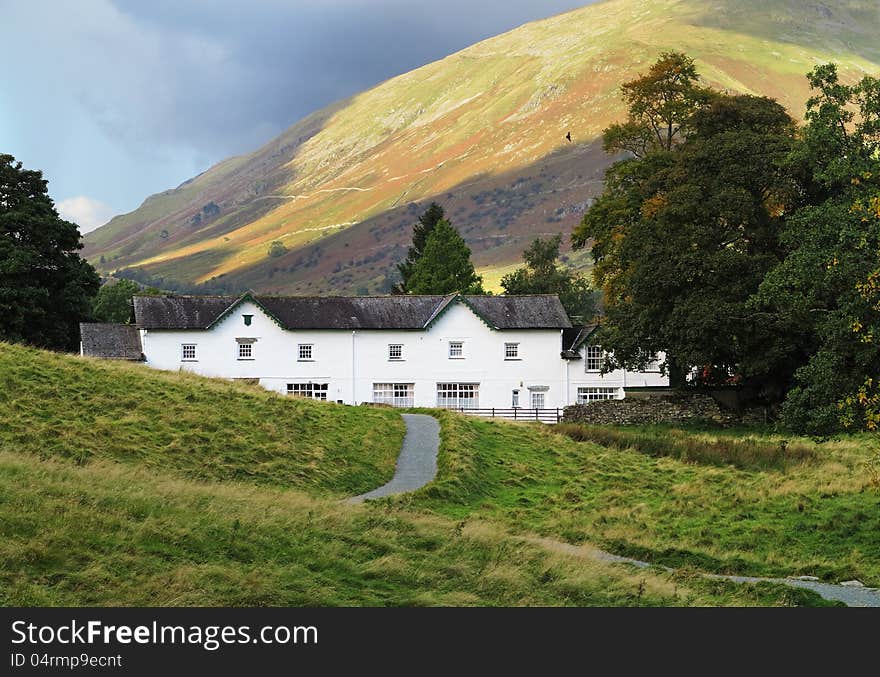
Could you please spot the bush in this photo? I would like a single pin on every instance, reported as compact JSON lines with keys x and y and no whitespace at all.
{"x":277,"y":248}
{"x":746,"y":452}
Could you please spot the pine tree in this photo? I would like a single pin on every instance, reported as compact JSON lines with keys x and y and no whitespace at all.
{"x":425,"y":226}
{"x":445,"y":265}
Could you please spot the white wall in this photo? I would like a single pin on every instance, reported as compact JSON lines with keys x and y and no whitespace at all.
{"x":577,"y":376}
{"x":351,"y":362}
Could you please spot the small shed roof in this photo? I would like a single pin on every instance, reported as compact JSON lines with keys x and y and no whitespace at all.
{"x":111,"y":341}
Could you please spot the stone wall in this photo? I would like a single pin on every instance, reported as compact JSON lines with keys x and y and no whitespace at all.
{"x":666,"y":408}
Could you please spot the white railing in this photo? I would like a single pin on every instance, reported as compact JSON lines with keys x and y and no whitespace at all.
{"x":516,"y":414}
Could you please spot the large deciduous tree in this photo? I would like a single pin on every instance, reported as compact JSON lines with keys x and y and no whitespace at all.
{"x":683,"y":235}
{"x":828,"y":286}
{"x":45,"y":287}
{"x":445,"y":265}
{"x":542,"y":274}
{"x":660,"y":105}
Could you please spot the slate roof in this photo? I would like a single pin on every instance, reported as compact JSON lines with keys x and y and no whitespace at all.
{"x":111,"y":341}
{"x":573,"y":338}
{"x":352,"y":312}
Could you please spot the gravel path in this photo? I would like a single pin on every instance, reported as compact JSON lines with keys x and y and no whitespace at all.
{"x":855,"y":596}
{"x":417,"y":463}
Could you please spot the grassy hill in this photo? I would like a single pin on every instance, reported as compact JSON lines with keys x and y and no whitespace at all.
{"x":482,"y":131}
{"x":84,"y":410}
{"x":787,"y":507}
{"x":124,"y":486}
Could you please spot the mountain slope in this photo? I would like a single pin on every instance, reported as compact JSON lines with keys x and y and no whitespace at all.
{"x":482,"y":131}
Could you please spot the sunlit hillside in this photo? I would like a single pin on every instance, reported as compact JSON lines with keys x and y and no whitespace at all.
{"x":482,"y":131}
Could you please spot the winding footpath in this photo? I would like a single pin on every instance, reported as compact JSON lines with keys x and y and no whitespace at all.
{"x":417,"y":466}
{"x":851,"y":595}
{"x":417,"y":463}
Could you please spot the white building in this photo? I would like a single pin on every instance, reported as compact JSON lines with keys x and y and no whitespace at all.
{"x":470,"y":352}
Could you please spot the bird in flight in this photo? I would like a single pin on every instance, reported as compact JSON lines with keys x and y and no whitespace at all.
{"x":568,"y":136}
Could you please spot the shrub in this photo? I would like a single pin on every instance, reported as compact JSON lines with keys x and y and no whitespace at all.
{"x":277,"y":248}
{"x":744,"y":452}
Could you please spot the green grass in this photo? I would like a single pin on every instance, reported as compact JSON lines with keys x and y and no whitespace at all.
{"x":818,"y":516}
{"x":119,"y":534}
{"x":120,"y":485}
{"x":56,"y":406}
{"x":743,"y":452}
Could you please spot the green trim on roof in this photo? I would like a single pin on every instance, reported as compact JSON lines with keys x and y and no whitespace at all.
{"x":476,"y":312}
{"x":247,"y":296}
{"x":458,"y":298}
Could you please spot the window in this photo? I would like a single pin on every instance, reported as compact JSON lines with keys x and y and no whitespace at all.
{"x":514,"y":399}
{"x":245,"y":351}
{"x":247,"y":320}
{"x":313,"y":391}
{"x":456,"y":349}
{"x":188,"y":351}
{"x":537,"y":400}
{"x":511,"y":351}
{"x":305,"y":352}
{"x":458,"y":395}
{"x":595,"y":358}
{"x":395,"y":394}
{"x":586,"y":395}
{"x":653,"y":363}
{"x":395,"y":351}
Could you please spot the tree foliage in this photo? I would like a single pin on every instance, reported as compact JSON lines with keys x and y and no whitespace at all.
{"x":112,"y":303}
{"x":444,"y":266}
{"x":45,"y":287}
{"x":421,"y":230}
{"x":660,"y":105}
{"x":276,"y":249}
{"x":682,"y":238}
{"x":748,"y":248}
{"x":828,"y":286}
{"x":542,"y":274}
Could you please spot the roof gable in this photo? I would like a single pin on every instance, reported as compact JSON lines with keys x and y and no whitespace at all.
{"x":247,"y":296}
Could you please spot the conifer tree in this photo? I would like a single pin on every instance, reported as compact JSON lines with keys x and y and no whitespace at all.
{"x":445,"y":265}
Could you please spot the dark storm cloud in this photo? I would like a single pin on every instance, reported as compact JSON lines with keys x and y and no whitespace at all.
{"x":292,"y":58}
{"x":116,"y":99}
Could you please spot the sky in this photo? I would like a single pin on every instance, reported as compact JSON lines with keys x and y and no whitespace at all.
{"x":115,"y":100}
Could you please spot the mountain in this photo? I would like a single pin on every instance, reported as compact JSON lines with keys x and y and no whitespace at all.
{"x":481,"y":131}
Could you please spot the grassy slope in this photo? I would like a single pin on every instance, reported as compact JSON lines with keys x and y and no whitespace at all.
{"x":499,"y":109}
{"x":817,"y":517}
{"x":111,"y":534}
{"x":56,"y":406}
{"x":177,"y":493}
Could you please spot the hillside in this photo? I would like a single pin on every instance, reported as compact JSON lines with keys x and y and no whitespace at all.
{"x":679,"y":498}
{"x":482,"y":131}
{"x":84,"y":410}
{"x":124,"y":486}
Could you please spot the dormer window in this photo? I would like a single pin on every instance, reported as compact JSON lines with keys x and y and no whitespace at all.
{"x":247,"y":320}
